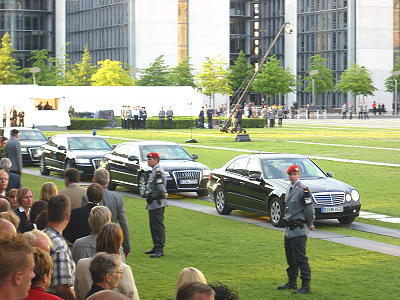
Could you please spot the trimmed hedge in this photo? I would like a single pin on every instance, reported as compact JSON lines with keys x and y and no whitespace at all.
{"x":153,"y":122}
{"x":85,"y":123}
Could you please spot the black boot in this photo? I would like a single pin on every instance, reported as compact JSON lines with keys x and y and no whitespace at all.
{"x":290,"y":285}
{"x":157,"y":253}
{"x":150,"y":251}
{"x":305,"y":288}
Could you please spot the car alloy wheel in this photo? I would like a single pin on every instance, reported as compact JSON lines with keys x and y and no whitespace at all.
{"x":276,"y":212}
{"x":220,"y":203}
{"x":42,"y":167}
{"x":142,"y":184}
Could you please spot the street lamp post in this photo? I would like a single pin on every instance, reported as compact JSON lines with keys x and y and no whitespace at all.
{"x":34,"y":70}
{"x":395,"y":73}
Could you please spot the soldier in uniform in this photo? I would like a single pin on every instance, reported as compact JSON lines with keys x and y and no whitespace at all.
{"x":142,"y":117}
{"x":299,"y":217}
{"x":161,"y":117}
{"x":170,"y":115}
{"x":156,"y":194}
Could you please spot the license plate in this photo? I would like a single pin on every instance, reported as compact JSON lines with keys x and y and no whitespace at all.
{"x":188,"y":181}
{"x":332,"y":209}
{"x":35,"y":155}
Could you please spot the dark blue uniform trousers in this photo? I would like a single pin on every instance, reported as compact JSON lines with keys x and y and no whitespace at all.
{"x":295,"y":249}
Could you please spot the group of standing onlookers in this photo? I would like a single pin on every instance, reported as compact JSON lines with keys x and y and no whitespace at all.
{"x":162,"y":114}
{"x":133,"y":117}
{"x":16,"y":118}
{"x":209,"y":112}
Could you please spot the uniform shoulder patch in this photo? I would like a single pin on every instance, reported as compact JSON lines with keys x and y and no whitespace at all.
{"x":307,"y":196}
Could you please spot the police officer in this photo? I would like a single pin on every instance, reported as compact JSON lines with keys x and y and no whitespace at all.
{"x":161,"y":117}
{"x":155,"y":194}
{"x":170,"y":115}
{"x":299,"y":217}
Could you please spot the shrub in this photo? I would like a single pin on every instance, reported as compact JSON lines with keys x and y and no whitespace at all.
{"x":85,"y":123}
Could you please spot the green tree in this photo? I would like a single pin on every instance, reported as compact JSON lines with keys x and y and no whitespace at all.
{"x":274,"y":79}
{"x":81,"y":72}
{"x":389,"y":82}
{"x":182,"y":74}
{"x":356,"y":80}
{"x":214,"y":78}
{"x":323,"y":81}
{"x":9,"y":70}
{"x":48,"y":74}
{"x":240,"y":72}
{"x":157,"y":74}
{"x":111,"y":73}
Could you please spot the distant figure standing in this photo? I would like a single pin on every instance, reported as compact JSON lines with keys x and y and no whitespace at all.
{"x":264,"y":115}
{"x":135,"y":115}
{"x":4,"y":117}
{"x":271,"y":117}
{"x":365,"y":109}
{"x":210,"y":112}
{"x":201,"y":118}
{"x":161,"y":117}
{"x":350,"y":110}
{"x":374,"y":107}
{"x":170,"y":115}
{"x":379,"y":107}
{"x":21,"y":117}
{"x":360,"y":111}
{"x":279,"y":115}
{"x":142,"y":117}
{"x":13,"y":150}
{"x":308,"y":110}
{"x":47,"y":106}
{"x":344,"y":111}
{"x":39,"y":106}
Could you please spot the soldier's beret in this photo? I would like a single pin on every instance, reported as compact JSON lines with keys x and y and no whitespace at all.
{"x":293,"y":169}
{"x":153,"y":155}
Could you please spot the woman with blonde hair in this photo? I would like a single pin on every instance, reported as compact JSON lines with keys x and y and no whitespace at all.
{"x":189,"y":274}
{"x":48,"y":189}
{"x":12,"y":198}
{"x":25,"y":200}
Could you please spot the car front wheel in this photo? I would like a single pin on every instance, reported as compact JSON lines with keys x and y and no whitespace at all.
{"x":42,"y":167}
{"x":220,"y":203}
{"x":276,"y":212}
{"x":142,"y":184}
{"x":346,"y":220}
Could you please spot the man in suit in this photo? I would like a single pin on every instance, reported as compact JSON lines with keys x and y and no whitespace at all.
{"x":13,"y":150}
{"x":115,"y":204}
{"x":73,"y":190}
{"x":14,"y":181}
{"x":78,"y":225}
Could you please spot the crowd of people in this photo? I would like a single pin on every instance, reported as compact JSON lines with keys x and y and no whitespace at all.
{"x":133,"y":117}
{"x":17,"y":119}
{"x":72,"y":243}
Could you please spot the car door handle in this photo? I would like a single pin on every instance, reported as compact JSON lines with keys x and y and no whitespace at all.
{"x":225,"y":179}
{"x":118,"y":164}
{"x":242,"y":183}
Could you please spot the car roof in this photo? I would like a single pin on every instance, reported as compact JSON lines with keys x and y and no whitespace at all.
{"x":68,"y":135}
{"x":273,"y":155}
{"x":21,"y":128}
{"x":145,"y":143}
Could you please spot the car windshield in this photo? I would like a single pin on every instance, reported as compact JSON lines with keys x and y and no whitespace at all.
{"x":276,"y":168}
{"x":87,"y":143}
{"x":166,"y":152}
{"x":31,"y":135}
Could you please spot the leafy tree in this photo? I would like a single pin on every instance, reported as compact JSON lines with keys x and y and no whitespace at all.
{"x":240,"y":71}
{"x":389,"y":82}
{"x":111,"y":73}
{"x":48,"y":74}
{"x":182,"y":74}
{"x":324,"y":80}
{"x":82,"y":71}
{"x":156,"y":74}
{"x":9,"y":70}
{"x":214,"y":78}
{"x":356,"y":80}
{"x":274,"y":79}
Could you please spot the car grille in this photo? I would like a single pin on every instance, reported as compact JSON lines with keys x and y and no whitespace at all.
{"x":329,"y":198}
{"x":33,"y":153}
{"x":96,"y":162}
{"x":187,"y":175}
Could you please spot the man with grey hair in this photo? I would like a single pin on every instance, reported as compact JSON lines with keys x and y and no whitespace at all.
{"x":195,"y":291}
{"x":6,"y":227}
{"x":14,"y":180}
{"x":86,"y":246}
{"x":115,"y":204}
{"x":4,"y":205}
{"x":37,"y":238}
{"x":106,"y":295}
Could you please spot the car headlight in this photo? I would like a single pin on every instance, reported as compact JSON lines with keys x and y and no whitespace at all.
{"x":348,"y":197}
{"x":39,"y":152}
{"x":24,"y":149}
{"x":82,"y":160}
{"x":206,"y":172}
{"x":355,"y":195}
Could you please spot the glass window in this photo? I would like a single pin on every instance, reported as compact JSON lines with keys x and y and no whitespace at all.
{"x":253,"y":167}
{"x":87,"y":143}
{"x":166,"y":152}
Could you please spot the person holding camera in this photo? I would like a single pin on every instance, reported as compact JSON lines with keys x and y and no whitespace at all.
{"x":299,"y":218}
{"x":156,"y":194}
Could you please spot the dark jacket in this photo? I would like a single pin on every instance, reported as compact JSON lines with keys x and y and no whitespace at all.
{"x":14,"y":181}
{"x":13,"y":149}
{"x":78,"y":225}
{"x":24,"y":225}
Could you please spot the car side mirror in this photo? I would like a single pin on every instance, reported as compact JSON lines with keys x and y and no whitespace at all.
{"x":132,"y":158}
{"x":195,"y":156}
{"x":114,"y":146}
{"x":330,"y":174}
{"x":255,"y":177}
{"x":61,"y":147}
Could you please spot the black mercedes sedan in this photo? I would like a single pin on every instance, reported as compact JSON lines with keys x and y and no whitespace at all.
{"x":258,"y":183}
{"x":128,"y":167}
{"x":30,"y":140}
{"x":81,"y":151}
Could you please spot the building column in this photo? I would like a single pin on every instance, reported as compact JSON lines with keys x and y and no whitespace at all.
{"x":291,"y":45}
{"x":60,"y":31}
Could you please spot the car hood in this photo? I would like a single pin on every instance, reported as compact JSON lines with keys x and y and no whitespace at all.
{"x":171,"y":165}
{"x":86,"y":153}
{"x":30,"y":143}
{"x":317,"y":185}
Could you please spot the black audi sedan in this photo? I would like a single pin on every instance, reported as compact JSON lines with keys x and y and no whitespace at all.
{"x":258,"y":183}
{"x":30,"y":140}
{"x":128,"y":167}
{"x":81,"y":151}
